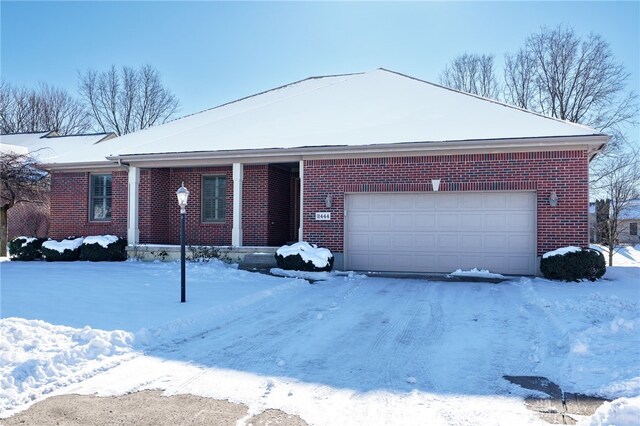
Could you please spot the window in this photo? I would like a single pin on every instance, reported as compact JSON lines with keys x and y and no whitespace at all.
{"x":214,"y":190}
{"x":100,"y":198}
{"x":633,"y":228}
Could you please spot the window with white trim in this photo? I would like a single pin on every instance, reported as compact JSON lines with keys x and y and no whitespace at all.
{"x":633,"y":228}
{"x":214,"y":190}
{"x":100,"y":198}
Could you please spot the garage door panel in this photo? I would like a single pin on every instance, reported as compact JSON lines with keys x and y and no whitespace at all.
{"x":446,"y":201}
{"x":380,"y":259}
{"x":519,"y":200}
{"x":469,"y":261}
{"x":447,"y":222}
{"x":425,"y":222}
{"x":519,"y":243}
{"x":402,"y":202}
{"x":359,"y":261}
{"x":448,"y":263}
{"x":447,"y":242}
{"x":520,"y":222}
{"x":495,"y":243}
{"x":400,"y":242}
{"x":425,"y":204}
{"x":494,"y":200}
{"x":522,"y":264}
{"x":423,"y":241}
{"x":470,"y":222}
{"x":425,"y":262}
{"x":399,"y":261}
{"x":471,"y":241}
{"x":494,"y":221}
{"x":471,"y":201}
{"x":381,"y":222}
{"x":358,"y":221}
{"x":379,"y":242}
{"x":402,"y":222}
{"x":441,"y":232}
{"x":358,"y":203}
{"x":495,"y":263}
{"x":359,"y":242}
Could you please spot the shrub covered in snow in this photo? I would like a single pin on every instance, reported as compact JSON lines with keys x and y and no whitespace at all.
{"x":303,"y":256}
{"x":64,"y":250}
{"x":573,"y":264}
{"x":26,"y":248}
{"x":103,"y":248}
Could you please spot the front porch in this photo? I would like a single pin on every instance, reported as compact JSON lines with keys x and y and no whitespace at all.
{"x":239,"y":205}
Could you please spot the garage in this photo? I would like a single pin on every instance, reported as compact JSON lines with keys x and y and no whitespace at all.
{"x":441,"y":232}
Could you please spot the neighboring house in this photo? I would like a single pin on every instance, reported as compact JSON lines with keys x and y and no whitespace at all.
{"x":390,"y":172}
{"x":32,"y":219}
{"x":629,"y":220}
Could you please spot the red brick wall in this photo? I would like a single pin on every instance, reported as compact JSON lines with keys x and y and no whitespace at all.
{"x":565,"y":172}
{"x":155,"y":201}
{"x":198,"y":232}
{"x":70,"y":206}
{"x":255,"y":205}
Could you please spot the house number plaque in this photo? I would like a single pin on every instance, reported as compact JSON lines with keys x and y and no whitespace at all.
{"x":323,"y":215}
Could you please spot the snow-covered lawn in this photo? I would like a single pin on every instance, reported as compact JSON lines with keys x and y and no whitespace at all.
{"x":346,"y":350}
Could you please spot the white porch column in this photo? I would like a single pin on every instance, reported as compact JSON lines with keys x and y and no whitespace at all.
{"x":236,"y":231}
{"x":133,"y":233}
{"x":301,"y":173}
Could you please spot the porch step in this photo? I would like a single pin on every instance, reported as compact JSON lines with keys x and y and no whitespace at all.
{"x":258,"y":261}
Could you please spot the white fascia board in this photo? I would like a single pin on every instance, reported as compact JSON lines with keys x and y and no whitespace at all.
{"x":82,"y":166}
{"x":592,"y":143}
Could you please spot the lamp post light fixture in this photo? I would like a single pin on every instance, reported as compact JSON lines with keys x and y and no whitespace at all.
{"x":183,"y":194}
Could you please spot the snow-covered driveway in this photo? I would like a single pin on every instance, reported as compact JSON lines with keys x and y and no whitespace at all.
{"x":349,"y":350}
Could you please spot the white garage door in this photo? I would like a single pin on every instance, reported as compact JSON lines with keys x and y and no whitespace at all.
{"x":441,"y":231}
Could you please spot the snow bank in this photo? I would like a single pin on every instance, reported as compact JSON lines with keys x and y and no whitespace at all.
{"x":475,"y":272}
{"x":61,"y":246}
{"x":561,"y":251}
{"x":315,"y":276}
{"x":621,"y":412}
{"x":37,"y":357}
{"x":309,"y":253}
{"x":103,"y":240}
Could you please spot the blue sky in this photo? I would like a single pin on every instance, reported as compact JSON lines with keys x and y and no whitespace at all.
{"x":213,"y":52}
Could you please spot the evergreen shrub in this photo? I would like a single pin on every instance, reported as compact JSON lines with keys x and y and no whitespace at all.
{"x":587,"y":264}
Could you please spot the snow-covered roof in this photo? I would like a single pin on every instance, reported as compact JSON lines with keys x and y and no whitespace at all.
{"x":13,"y":149}
{"x":632,"y":212}
{"x":50,"y":148}
{"x":24,"y":139}
{"x":363,"y":110}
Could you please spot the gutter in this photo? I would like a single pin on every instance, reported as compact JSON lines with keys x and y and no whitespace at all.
{"x":595,"y":142}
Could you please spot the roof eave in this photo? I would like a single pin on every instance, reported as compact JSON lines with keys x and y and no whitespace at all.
{"x":595,"y":143}
{"x":81,"y":166}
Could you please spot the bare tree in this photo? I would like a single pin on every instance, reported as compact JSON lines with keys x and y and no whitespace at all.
{"x":561,"y":75}
{"x":618,"y":183}
{"x":45,"y":108}
{"x":22,"y":182}
{"x":472,"y":73}
{"x":126,"y":100}
{"x":519,"y":87}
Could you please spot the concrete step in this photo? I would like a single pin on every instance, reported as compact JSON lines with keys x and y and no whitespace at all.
{"x":258,"y":261}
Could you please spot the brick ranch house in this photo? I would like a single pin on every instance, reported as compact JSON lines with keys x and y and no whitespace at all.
{"x":32,"y":219}
{"x":390,"y":172}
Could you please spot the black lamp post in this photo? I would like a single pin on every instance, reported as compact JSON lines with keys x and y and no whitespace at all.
{"x":183,"y":195}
